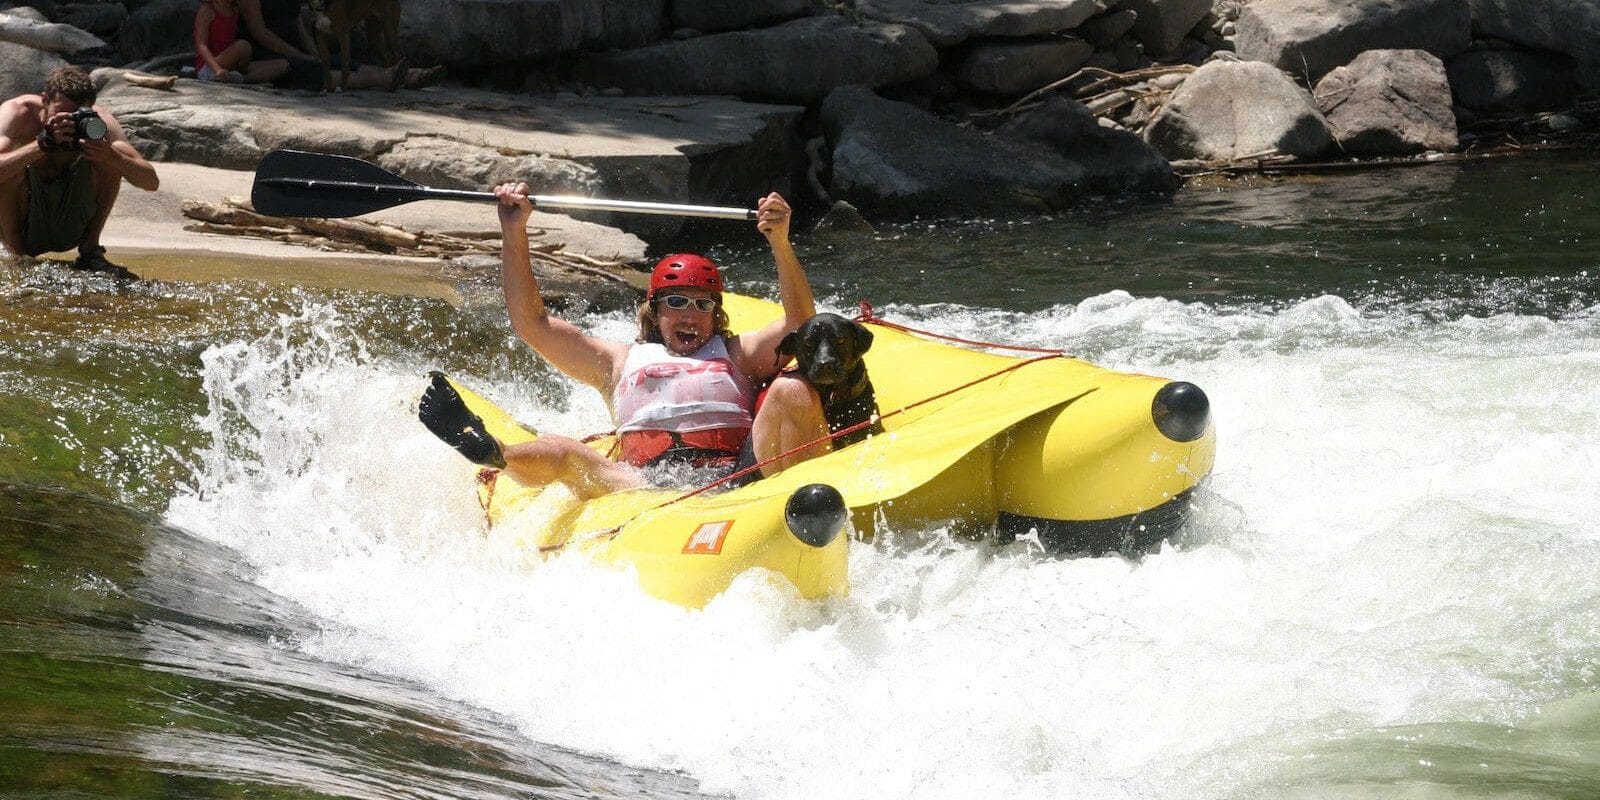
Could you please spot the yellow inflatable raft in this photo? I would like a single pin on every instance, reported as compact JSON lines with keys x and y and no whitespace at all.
{"x":1092,"y":460}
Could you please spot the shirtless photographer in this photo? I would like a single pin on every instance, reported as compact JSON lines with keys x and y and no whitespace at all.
{"x":62,"y":162}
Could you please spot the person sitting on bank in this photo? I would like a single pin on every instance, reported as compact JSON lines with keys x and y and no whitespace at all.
{"x":61,"y":170}
{"x":682,"y":393}
{"x":279,"y":27}
{"x":219,"y":53}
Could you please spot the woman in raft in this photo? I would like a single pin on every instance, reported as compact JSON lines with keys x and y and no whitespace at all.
{"x":683,"y":393}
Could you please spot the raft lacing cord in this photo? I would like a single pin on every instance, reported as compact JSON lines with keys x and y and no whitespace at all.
{"x":866,"y":316}
{"x":869,"y":316}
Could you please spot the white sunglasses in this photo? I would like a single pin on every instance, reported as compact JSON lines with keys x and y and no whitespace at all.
{"x":678,"y":302}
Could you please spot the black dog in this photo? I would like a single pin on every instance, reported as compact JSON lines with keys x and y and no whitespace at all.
{"x":827,"y":352}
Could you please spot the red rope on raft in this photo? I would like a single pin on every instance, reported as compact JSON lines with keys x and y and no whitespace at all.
{"x":852,"y":429}
{"x":869,"y":316}
{"x":490,"y":478}
{"x":866,"y":315}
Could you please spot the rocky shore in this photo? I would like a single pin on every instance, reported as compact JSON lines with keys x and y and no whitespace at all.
{"x":894,"y":108}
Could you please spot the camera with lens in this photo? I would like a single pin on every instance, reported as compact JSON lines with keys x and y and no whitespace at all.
{"x":89,"y":126}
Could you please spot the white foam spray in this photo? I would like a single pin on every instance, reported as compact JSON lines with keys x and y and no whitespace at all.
{"x":1400,"y":530}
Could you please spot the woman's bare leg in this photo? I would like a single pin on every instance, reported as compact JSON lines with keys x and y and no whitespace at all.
{"x":549,"y":459}
{"x":790,"y":417}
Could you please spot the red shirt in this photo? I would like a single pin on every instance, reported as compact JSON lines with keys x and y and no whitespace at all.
{"x":224,"y":31}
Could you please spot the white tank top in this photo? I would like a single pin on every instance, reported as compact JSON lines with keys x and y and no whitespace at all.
{"x":665,"y":392}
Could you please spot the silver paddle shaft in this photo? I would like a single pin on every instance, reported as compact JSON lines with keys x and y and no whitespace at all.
{"x":639,"y":207}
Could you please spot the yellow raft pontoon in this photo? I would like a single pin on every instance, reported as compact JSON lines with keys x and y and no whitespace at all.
{"x":1095,"y":461}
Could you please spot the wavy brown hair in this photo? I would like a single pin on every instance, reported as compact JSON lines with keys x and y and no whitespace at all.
{"x":72,"y":83}
{"x":650,"y":328}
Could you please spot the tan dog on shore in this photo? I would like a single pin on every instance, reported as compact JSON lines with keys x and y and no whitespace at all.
{"x":335,"y":19}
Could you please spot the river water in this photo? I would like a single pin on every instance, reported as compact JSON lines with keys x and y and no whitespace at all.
{"x":232,"y":564}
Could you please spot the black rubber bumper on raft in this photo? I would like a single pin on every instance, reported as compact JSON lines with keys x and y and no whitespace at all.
{"x":1132,"y":535}
{"x":815,"y":514}
{"x":1181,"y":411}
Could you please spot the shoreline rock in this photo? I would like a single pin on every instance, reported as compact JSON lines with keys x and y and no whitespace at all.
{"x":947,"y":76}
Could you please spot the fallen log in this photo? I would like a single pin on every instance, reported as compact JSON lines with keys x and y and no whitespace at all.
{"x":287,"y":237}
{"x":384,"y":238}
{"x":235,"y":217}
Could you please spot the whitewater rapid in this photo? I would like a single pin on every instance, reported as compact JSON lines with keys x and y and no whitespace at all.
{"x":1400,"y":531}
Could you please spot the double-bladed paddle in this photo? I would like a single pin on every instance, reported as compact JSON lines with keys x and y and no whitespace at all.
{"x":294,"y":183}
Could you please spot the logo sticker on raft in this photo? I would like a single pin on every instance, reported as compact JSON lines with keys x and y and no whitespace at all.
{"x":708,"y":538}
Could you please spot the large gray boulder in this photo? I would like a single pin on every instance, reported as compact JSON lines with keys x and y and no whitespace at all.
{"x":1571,"y":27}
{"x":491,"y":33}
{"x":1015,"y":67}
{"x":157,"y":28}
{"x":1113,"y":161}
{"x":1307,"y":38}
{"x":1103,"y":30}
{"x":22,"y":69}
{"x":210,"y":136}
{"x":1161,"y":24}
{"x":797,"y":62}
{"x":948,"y":22}
{"x":895,"y":160}
{"x":1514,"y":81}
{"x":456,"y":165}
{"x":1229,"y":110}
{"x":731,"y":15}
{"x":100,"y":19}
{"x":1389,"y":102}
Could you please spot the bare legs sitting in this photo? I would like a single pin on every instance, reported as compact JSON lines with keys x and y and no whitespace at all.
{"x":790,"y":416}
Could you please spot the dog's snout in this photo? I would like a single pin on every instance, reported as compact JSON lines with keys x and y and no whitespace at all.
{"x":826,"y":364}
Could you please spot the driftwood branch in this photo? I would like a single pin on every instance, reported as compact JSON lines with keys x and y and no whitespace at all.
{"x":148,"y":81}
{"x":235,"y":217}
{"x":1107,"y":79}
{"x":51,"y":37}
{"x":373,"y":236}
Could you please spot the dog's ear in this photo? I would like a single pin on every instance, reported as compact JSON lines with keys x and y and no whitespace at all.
{"x":863,"y":338}
{"x":787,"y":345}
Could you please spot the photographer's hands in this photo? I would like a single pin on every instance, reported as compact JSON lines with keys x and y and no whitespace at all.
{"x":99,"y":151}
{"x":58,"y":133}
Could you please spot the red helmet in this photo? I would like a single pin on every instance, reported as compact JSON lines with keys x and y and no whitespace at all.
{"x":685,"y":269}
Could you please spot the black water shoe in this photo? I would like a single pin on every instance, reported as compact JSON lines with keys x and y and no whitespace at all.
{"x":93,"y":259}
{"x":448,"y":417}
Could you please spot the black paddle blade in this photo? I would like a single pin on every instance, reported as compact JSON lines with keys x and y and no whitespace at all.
{"x":294,"y":183}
